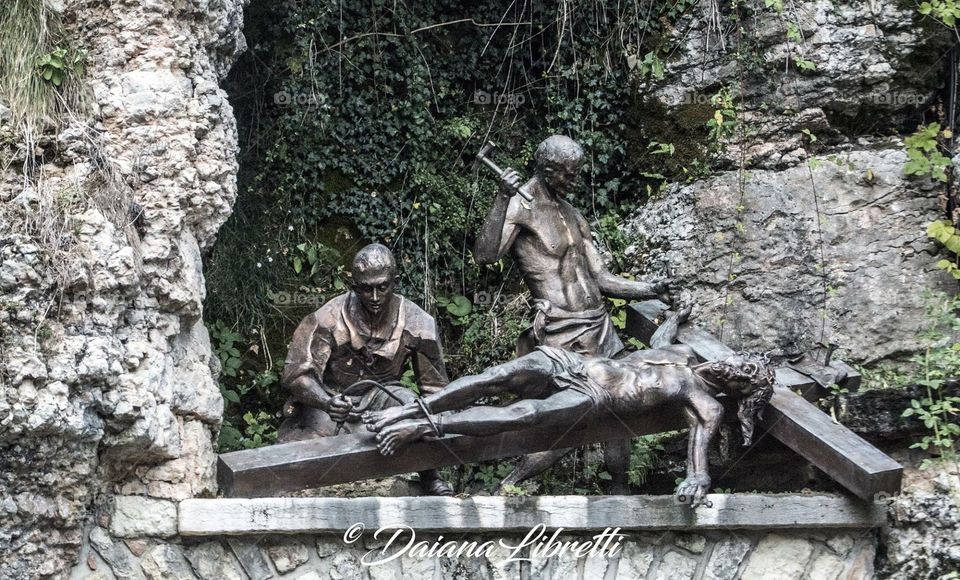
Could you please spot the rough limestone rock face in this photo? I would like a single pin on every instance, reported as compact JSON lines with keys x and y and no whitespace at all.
{"x":872,"y":70}
{"x":754,"y":267}
{"x":713,"y":555}
{"x":106,"y":374}
{"x":923,"y":539}
{"x":814,"y":239}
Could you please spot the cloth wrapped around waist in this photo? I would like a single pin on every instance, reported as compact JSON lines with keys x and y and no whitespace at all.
{"x":589,"y":332}
{"x":569,"y":373}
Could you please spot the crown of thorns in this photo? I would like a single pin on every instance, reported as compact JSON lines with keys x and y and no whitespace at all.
{"x":756,"y":367}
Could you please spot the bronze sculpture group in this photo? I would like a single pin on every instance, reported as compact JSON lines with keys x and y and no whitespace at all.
{"x":345,"y":360}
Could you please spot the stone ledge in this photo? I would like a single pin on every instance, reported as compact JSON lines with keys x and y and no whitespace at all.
{"x":208,"y":517}
{"x":136,"y":516}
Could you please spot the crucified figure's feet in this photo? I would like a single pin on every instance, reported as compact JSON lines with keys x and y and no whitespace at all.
{"x":392,"y":437}
{"x":377,"y":420}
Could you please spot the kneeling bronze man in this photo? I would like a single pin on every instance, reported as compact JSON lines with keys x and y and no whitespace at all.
{"x":348,"y":356}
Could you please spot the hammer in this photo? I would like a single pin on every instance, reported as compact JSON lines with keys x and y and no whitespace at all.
{"x":484,"y":155}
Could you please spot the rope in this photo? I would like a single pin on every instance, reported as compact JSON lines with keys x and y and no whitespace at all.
{"x":823,"y":261}
{"x":365,"y":383}
{"x":741,"y":172}
{"x":741,"y":185}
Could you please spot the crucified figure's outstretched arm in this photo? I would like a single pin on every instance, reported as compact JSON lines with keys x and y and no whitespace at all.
{"x":563,"y":409}
{"x":703,"y":414}
{"x":507,"y":377}
{"x":397,"y":426}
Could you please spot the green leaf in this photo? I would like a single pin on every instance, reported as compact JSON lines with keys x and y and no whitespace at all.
{"x":804,"y":64}
{"x":953,"y":244}
{"x":231,"y":396}
{"x":913,"y":168}
{"x":938,"y":228}
{"x":460,"y":306}
{"x":793,"y":32}
{"x":297,"y":264}
{"x":230,"y":437}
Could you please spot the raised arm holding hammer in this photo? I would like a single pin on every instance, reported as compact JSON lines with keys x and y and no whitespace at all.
{"x":553,"y":246}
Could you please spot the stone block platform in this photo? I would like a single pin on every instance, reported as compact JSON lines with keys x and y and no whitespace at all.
{"x":780,"y":536}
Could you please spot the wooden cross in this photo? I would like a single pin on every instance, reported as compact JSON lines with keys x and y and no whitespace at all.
{"x":792,"y":419}
{"x":847,"y":458}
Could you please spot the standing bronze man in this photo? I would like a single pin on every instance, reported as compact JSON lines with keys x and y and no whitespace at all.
{"x":367,"y":334}
{"x":552,"y":244}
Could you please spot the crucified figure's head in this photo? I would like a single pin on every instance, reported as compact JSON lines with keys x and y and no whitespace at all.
{"x":559,"y":161}
{"x":374,"y":276}
{"x":748,"y":377}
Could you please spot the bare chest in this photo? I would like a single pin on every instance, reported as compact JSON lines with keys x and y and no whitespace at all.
{"x":550,"y":229}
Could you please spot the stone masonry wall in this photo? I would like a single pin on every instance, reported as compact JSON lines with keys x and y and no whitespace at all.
{"x":720,"y":555}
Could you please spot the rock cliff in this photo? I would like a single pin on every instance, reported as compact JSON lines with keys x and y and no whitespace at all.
{"x":108,"y":382}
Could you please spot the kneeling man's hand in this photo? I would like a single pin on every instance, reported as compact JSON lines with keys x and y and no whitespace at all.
{"x":339,"y":408}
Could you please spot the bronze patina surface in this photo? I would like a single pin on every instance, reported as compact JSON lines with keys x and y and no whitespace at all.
{"x":552,"y":244}
{"x":349,"y":355}
{"x":559,"y":389}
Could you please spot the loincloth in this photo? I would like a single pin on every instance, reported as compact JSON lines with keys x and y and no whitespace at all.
{"x":569,"y":373}
{"x":589,"y":332}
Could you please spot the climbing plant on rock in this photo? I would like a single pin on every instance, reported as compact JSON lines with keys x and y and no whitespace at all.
{"x":360,"y":122}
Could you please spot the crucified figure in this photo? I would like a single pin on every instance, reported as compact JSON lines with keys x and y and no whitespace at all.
{"x":559,"y":388}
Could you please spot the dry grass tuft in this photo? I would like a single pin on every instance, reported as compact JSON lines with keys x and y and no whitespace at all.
{"x":30,"y":33}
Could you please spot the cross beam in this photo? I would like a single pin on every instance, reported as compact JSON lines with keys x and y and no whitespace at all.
{"x":840,"y":453}
{"x":329,"y":460}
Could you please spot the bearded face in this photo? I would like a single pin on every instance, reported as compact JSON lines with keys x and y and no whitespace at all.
{"x":751,"y":378}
